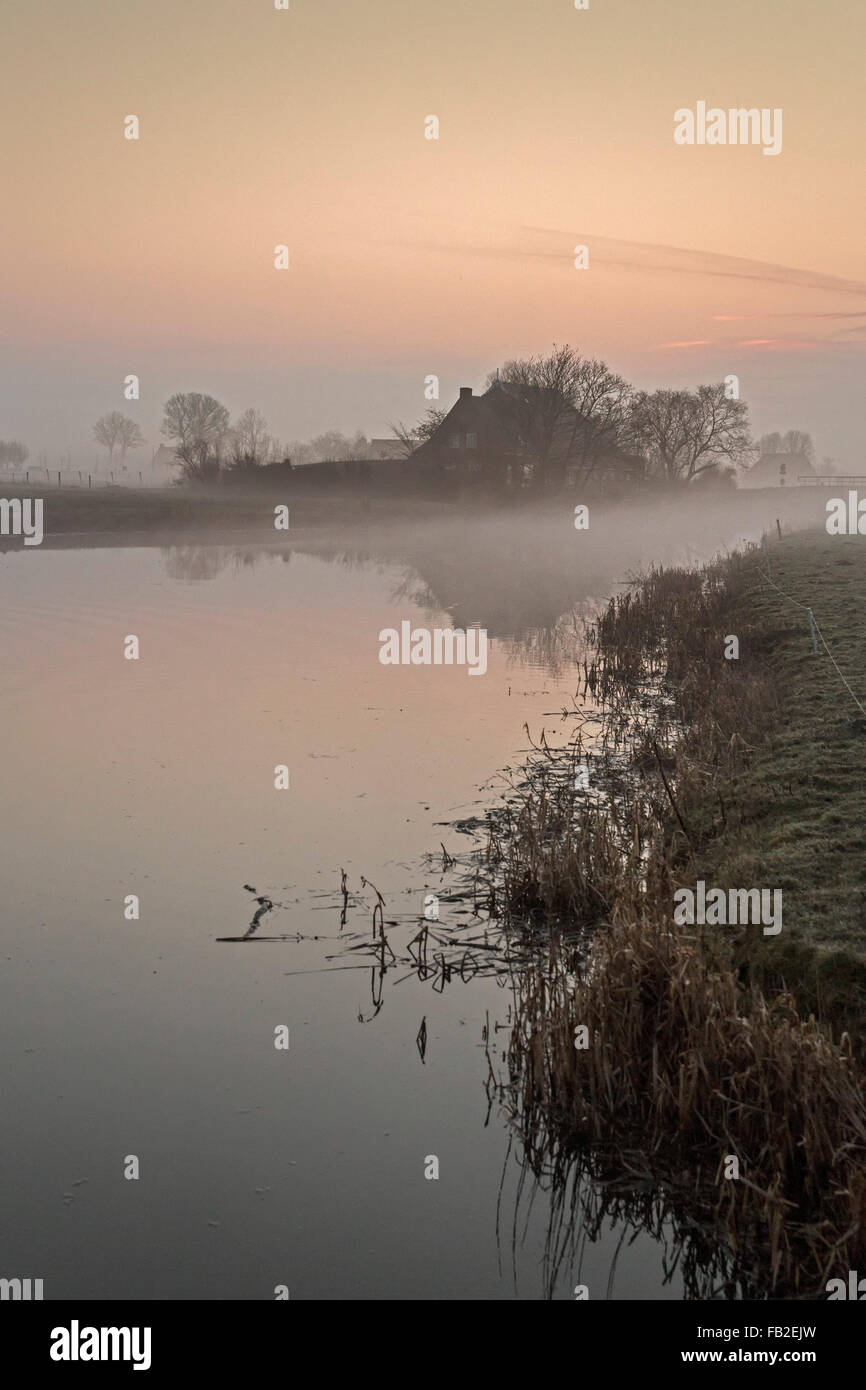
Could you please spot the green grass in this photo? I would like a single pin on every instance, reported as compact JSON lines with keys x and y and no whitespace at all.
{"x":797,"y":816}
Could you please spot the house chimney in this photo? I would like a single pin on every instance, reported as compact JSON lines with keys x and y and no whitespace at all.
{"x":465,"y":392}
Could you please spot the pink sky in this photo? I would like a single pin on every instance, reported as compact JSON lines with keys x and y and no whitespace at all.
{"x":411,"y":256}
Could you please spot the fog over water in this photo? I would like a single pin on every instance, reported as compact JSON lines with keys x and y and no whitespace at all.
{"x":153,"y":1037}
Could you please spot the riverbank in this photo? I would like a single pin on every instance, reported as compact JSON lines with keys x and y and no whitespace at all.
{"x":723,"y":1055}
{"x":127,"y":515}
{"x":118,"y":515}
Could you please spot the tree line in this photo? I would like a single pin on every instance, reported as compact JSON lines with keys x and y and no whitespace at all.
{"x":563,"y":416}
{"x":567,"y":414}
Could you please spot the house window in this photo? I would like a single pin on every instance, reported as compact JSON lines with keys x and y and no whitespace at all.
{"x":472,"y":441}
{"x":454,"y":441}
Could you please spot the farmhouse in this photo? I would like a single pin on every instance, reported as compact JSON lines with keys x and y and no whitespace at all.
{"x":779,"y":470}
{"x":491,"y":439}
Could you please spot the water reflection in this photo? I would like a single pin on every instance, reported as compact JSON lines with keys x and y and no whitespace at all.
{"x":258,"y":654}
{"x":520,"y":575}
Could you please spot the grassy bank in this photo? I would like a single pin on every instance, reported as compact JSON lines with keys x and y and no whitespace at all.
{"x":709,"y":1043}
{"x":796,"y":817}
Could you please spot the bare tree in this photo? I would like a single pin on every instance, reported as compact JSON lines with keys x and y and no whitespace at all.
{"x":13,"y":453}
{"x":771,"y":444}
{"x":686,"y":433}
{"x":333,"y":446}
{"x":299,"y":452}
{"x":107,"y":432}
{"x":116,"y":431}
{"x":601,"y":403}
{"x":412,"y":438}
{"x":538,"y":394}
{"x":791,"y":442}
{"x":251,"y":445}
{"x":799,"y":442}
{"x":197,"y":425}
{"x":562,"y":410}
{"x":129,"y":437}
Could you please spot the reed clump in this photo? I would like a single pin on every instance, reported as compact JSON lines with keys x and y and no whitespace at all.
{"x":693,"y":1055}
{"x":676,"y":1062}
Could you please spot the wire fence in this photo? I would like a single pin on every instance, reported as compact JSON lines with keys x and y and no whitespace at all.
{"x":80,"y":478}
{"x":815,"y":631}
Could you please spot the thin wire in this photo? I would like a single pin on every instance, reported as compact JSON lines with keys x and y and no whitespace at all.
{"x":782,"y":591}
{"x":841,"y":677}
{"x":820,"y":634}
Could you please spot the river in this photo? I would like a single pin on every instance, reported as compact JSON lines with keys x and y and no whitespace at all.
{"x":147,"y":1044}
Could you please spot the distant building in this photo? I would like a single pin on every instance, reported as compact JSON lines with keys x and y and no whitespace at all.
{"x":386,"y":449}
{"x":164,"y":463}
{"x":474,"y":432}
{"x":778,"y":470}
{"x":479,"y":437}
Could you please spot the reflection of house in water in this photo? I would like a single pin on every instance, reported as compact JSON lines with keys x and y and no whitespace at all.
{"x":483,"y":437}
{"x":779,"y":470}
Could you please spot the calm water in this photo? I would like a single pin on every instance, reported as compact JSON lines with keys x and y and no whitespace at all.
{"x":258,"y":1167}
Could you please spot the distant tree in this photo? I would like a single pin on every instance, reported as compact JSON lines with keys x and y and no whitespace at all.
{"x":129,"y":437}
{"x":107,"y":432}
{"x":13,"y":453}
{"x":299,"y":452}
{"x":333,"y":446}
{"x":360,"y":445}
{"x":792,"y":442}
{"x":770,"y":444}
{"x":197,"y":426}
{"x":562,"y":410}
{"x":799,"y":442}
{"x":685,"y":433}
{"x":251,"y":445}
{"x":412,"y":438}
{"x":538,"y":393}
{"x":601,"y":402}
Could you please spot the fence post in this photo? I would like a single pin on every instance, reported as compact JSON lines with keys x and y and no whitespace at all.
{"x":58,"y":477}
{"x":813,"y":630}
{"x":89,"y":481}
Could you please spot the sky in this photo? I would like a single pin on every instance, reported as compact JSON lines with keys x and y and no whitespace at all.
{"x":409,"y":256}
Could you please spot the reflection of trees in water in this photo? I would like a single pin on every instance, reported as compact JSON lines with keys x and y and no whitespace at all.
{"x":513,"y":572}
{"x":197,"y":562}
{"x":553,"y":648}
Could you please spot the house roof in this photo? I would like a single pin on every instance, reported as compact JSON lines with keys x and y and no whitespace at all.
{"x":771,"y":467}
{"x":387,"y":448}
{"x":492,"y":417}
